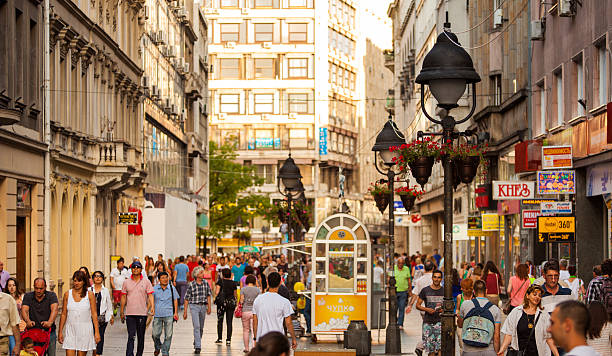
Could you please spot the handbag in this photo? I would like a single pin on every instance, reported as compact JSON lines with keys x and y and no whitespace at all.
{"x":507,"y":305}
{"x":513,"y":352}
{"x":238,"y":311}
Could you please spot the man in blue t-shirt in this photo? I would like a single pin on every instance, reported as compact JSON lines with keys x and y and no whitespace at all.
{"x":238,"y":269}
{"x":554,"y":293}
{"x":437,"y":257}
{"x":180,"y":279}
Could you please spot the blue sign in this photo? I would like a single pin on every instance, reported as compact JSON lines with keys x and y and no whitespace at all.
{"x":398,"y":205}
{"x":251,"y":144}
{"x":322,"y":141}
{"x":277,"y":144}
{"x":264,"y":143}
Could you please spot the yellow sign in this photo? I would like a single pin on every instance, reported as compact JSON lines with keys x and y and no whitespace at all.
{"x":479,"y":232}
{"x":492,"y":222}
{"x":556,"y":224}
{"x":334,"y":312}
{"x":130,"y":218}
{"x":342,"y":234}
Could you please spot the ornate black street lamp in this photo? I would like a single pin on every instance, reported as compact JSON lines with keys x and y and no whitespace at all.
{"x":390,"y":136}
{"x":448,"y":70}
{"x":291,"y":178}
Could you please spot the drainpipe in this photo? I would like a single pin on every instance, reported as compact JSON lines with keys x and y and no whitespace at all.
{"x":47,"y":133}
{"x":529,"y":59}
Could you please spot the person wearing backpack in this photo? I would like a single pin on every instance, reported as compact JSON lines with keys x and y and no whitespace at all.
{"x":480,"y":321}
{"x":525,"y":327}
{"x":432,"y":296}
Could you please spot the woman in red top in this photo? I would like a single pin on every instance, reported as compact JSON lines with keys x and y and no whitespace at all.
{"x":517,"y":286}
{"x":494,"y":282}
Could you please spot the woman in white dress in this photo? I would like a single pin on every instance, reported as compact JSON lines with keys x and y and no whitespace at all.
{"x":79,"y":318}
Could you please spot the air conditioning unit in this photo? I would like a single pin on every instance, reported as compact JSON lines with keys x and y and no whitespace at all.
{"x":292,"y":115}
{"x":145,"y":81}
{"x":565,"y":8}
{"x":182,"y":13}
{"x":170,"y":51}
{"x":498,"y":18}
{"x":154,"y":91}
{"x":167,"y":103}
{"x":222,"y":116}
{"x":186,"y":67}
{"x":161,"y":36}
{"x":537,"y":30}
{"x":173,"y":109}
{"x":145,"y":12}
{"x":230,"y":44}
{"x":267,"y":45}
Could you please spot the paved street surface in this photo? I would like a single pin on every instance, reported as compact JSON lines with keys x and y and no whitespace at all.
{"x":182,"y":340}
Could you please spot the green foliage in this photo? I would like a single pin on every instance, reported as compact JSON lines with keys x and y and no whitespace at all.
{"x":230,"y":196}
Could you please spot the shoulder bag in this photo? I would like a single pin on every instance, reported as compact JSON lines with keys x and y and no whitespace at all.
{"x":507,"y":306}
{"x":513,"y":352}
{"x":172,"y":301}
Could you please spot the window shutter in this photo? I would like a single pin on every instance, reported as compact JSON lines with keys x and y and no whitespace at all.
{"x":311,"y":102}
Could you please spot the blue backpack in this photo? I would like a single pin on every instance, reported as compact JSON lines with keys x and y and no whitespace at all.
{"x":478,"y":325}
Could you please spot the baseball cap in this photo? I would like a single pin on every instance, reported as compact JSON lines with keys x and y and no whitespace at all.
{"x":136,"y":264}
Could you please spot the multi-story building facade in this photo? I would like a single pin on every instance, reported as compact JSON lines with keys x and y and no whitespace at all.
{"x":285,"y":80}
{"x":570,"y":89}
{"x":96,"y":119}
{"x":22,"y":146}
{"x":416,"y":25}
{"x":175,"y":122}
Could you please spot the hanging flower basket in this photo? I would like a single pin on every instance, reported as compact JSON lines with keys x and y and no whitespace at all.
{"x":467,"y":168}
{"x":418,"y":153}
{"x":408,"y":196}
{"x":467,"y":158}
{"x":381,"y":193}
{"x":421,"y":169}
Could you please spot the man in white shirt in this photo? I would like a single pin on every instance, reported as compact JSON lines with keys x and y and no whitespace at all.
{"x":117,"y":276}
{"x":424,"y":281}
{"x":270,"y":309}
{"x":568,"y":326}
{"x":563,"y":272}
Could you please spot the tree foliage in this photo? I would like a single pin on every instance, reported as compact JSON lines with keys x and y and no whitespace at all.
{"x":231,"y":193}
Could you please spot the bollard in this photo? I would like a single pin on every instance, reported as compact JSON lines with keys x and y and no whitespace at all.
{"x":358,"y":337}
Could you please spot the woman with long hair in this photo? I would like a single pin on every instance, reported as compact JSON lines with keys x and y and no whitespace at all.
{"x":272,"y":344}
{"x":12,"y":289}
{"x":494,"y":282}
{"x":517,"y":286}
{"x":599,"y":335}
{"x":79,"y":318}
{"x":226,"y":293}
{"x":208,"y":275}
{"x":467,"y":293}
{"x":476,"y":274}
{"x":247,"y":297}
{"x":520,"y":324}
{"x":87,"y":275}
{"x":456,"y":283}
{"x":418,"y":270}
{"x":160,"y":266}
{"x":150,"y":268}
{"x":104,"y":308}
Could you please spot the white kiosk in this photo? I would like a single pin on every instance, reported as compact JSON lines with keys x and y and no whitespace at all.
{"x":341,"y":256}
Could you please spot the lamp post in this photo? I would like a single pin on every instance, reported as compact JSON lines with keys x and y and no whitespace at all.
{"x":448,"y":70}
{"x":291,"y":178}
{"x":388,"y":137}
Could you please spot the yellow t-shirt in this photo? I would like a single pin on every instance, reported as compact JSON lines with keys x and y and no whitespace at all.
{"x":25,"y":353}
{"x":298,"y":287}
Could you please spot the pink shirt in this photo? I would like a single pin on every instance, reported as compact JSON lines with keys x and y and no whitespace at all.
{"x":136,"y":294}
{"x":519,"y":288}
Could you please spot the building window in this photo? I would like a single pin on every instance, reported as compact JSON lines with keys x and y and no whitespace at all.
{"x":297,"y":3}
{"x":264,"y":68}
{"x":602,"y":75}
{"x":578,"y":88}
{"x":230,"y":32}
{"x":334,"y":69}
{"x":264,"y":3}
{"x":558,"y":77}
{"x":346,"y":78}
{"x":298,"y":32}
{"x":496,"y":88}
{"x":229,"y":68}
{"x":298,"y":67}
{"x":298,"y":103}
{"x":266,"y":172}
{"x":264,"y":103}
{"x":298,"y":138}
{"x":230,"y":103}
{"x":352,"y":79}
{"x":229,"y":3}
{"x":264,"y":32}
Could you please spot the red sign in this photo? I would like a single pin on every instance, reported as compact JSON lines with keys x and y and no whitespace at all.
{"x":508,"y":207}
{"x":530,"y":219}
{"x":513,"y":190}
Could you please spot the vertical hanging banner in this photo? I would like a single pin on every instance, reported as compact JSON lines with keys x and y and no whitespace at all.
{"x":322,"y":141}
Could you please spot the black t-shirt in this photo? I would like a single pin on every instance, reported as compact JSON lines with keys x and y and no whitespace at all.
{"x":227,"y":288}
{"x":40,"y":311}
{"x":523,"y":331}
{"x":282,"y":267}
{"x":433,"y":299}
{"x":264,"y":281}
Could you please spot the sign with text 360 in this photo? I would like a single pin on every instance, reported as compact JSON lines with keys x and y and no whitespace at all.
{"x":513,"y":190}
{"x":130,"y":218}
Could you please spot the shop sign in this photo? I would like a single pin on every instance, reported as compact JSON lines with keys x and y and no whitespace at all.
{"x":408,"y":220}
{"x":513,"y":190}
{"x":334,"y":312}
{"x":459,"y":232}
{"x":530,"y":219}
{"x":474,"y":227}
{"x":322,"y":141}
{"x":556,"y":182}
{"x":508,"y":207}
{"x":557,"y":229}
{"x":491,"y":222}
{"x":556,"y":157}
{"x":130,"y":218}
{"x":556,"y":207}
{"x":599,"y":179}
{"x":535,"y":201}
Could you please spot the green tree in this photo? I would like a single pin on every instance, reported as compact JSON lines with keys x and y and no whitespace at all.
{"x":231,"y":193}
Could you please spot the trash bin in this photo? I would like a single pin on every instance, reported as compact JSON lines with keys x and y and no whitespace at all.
{"x":358,"y":337}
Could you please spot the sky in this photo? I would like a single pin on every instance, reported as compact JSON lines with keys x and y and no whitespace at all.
{"x":374,"y":16}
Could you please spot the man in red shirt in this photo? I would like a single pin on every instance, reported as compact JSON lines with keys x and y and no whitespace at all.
{"x":136,"y":293}
{"x":192,"y":262}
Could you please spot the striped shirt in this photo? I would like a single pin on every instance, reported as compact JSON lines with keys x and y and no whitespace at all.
{"x":197,"y":293}
{"x":550,"y":301}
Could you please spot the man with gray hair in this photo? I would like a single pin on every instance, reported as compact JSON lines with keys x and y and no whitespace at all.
{"x":198,"y":298}
{"x":564,"y":274}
